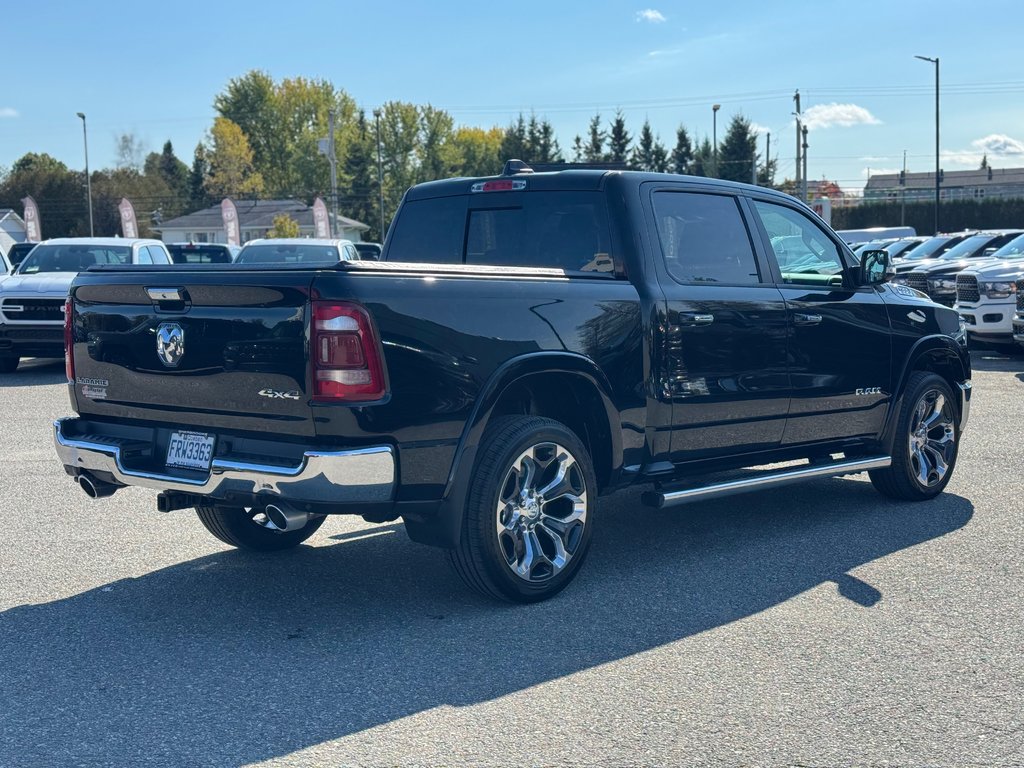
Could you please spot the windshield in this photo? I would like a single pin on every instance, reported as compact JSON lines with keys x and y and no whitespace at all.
{"x":1012,"y":250}
{"x":76,"y":257}
{"x":288,"y":253}
{"x":968,"y":248}
{"x":931,"y":248}
{"x":199,"y":254}
{"x":18,"y":252}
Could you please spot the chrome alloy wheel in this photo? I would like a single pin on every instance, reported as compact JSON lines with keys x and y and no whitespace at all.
{"x":932,"y":438}
{"x":542,"y":511}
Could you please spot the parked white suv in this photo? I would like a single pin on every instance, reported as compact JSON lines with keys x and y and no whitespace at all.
{"x":987,"y":295}
{"x":32,"y":299}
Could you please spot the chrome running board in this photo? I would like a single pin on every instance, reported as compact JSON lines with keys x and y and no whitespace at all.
{"x":671,"y":498}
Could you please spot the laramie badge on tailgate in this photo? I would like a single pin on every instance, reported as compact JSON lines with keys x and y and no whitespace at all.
{"x":170,"y":344}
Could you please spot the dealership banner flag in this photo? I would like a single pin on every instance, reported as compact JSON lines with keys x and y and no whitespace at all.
{"x":33,"y":230}
{"x":129,"y":226}
{"x":230,"y":215}
{"x":321,"y":224}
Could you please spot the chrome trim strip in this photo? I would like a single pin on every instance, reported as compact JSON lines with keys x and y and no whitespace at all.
{"x":164,"y":294}
{"x":965,"y":402}
{"x":359,"y":475}
{"x":785,"y":477}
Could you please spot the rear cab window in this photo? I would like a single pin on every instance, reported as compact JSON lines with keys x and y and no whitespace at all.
{"x":565,"y":230}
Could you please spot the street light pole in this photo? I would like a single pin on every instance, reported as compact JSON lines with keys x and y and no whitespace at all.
{"x":714,"y":135}
{"x":935,"y":61}
{"x":380,"y":173}
{"x":88,"y":180}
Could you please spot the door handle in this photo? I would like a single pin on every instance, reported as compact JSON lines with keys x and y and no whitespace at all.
{"x":695,"y":318}
{"x":802,"y":318}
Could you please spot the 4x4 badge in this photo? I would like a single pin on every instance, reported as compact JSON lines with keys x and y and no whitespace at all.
{"x":276,"y":394}
{"x":170,"y":344}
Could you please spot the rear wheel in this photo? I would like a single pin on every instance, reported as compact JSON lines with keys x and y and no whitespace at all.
{"x":250,"y":528}
{"x":926,"y":444}
{"x":529,"y":516}
{"x":9,"y":363}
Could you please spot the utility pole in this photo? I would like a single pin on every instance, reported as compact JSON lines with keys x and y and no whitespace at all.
{"x":803,"y":190}
{"x":333,"y":158}
{"x":380,"y":174}
{"x":903,"y":191}
{"x":88,"y":179}
{"x":935,"y":61}
{"x":767,"y":158}
{"x":796,"y":99}
{"x":714,"y":134}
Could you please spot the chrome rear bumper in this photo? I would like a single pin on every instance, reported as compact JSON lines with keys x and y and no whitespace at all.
{"x":362,"y":475}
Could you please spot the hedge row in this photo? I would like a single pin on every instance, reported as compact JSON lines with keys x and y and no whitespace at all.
{"x":953,"y":215}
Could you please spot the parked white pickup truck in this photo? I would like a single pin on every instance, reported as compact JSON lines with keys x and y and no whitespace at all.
{"x":32,"y":299}
{"x":986,"y":296}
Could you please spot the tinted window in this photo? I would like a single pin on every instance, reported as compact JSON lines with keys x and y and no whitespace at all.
{"x":18,"y":252}
{"x":968,"y":247}
{"x":429,"y":231}
{"x":703,"y":238}
{"x":73,"y":258}
{"x":1012,"y":250}
{"x":804,"y":253}
{"x":288,"y":253}
{"x":560,"y":230}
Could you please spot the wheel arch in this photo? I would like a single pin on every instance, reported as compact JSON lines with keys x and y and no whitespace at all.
{"x":568,"y":387}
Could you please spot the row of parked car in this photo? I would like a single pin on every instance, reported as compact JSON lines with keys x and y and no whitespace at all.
{"x":978,"y":273}
{"x":36,"y":277}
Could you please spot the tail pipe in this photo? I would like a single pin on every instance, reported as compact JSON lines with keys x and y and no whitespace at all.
{"x":95,"y":488}
{"x":284,"y":517}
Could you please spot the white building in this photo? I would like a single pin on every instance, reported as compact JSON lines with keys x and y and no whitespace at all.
{"x":255,"y":217}
{"x":12,"y":229}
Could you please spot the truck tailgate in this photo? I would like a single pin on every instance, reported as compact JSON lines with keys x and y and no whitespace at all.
{"x":206,"y":348}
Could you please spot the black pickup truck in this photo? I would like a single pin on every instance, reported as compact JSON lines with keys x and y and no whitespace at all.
{"x":527,"y":343}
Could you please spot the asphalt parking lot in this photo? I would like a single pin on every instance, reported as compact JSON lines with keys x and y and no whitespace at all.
{"x":812,"y":625}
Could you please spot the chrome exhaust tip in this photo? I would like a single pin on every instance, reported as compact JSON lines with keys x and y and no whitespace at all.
{"x":95,"y":489}
{"x":285,"y":518}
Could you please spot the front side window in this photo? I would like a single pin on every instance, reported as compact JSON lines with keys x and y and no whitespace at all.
{"x":703,"y":238}
{"x":144,"y":257}
{"x":804,"y":253}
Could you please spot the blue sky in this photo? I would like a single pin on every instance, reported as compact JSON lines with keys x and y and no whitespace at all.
{"x":154,"y":69}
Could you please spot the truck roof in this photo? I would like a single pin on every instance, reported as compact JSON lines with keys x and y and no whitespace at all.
{"x":100,"y":241}
{"x":571,"y":180}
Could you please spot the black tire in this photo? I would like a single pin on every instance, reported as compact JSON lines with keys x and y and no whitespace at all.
{"x":484,"y":556}
{"x":235,"y":526}
{"x":9,"y":363}
{"x":902,"y":479}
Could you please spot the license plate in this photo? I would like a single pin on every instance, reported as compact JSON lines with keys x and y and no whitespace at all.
{"x":191,"y":450}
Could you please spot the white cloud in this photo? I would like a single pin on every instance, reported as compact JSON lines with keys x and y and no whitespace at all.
{"x":995,"y":147}
{"x":842,"y":115}
{"x":8,"y":112}
{"x":866,"y":172}
{"x":666,"y":52}
{"x":650,"y":15}
{"x":759,"y":129}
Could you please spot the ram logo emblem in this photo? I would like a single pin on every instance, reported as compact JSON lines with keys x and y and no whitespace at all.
{"x":170,"y":344}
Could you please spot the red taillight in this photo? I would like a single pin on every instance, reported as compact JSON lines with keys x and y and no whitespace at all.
{"x":69,"y":343}
{"x":345,"y":354}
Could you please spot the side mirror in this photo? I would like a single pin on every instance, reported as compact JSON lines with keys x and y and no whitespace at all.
{"x":875,"y":267}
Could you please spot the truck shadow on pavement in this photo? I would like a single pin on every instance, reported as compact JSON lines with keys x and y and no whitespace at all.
{"x":34,"y":372}
{"x":233,"y":658}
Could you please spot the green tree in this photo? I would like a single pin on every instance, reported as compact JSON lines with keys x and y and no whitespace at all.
{"x":231,"y":166}
{"x":437,"y":154}
{"x":594,"y":149}
{"x":59,"y":192}
{"x":578,"y":152}
{"x":147,"y":192}
{"x":399,"y":137}
{"x":129,"y":152}
{"x":618,"y":139}
{"x":360,"y":202}
{"x":479,"y":150}
{"x":284,"y":226}
{"x":984,"y":163}
{"x":703,"y":159}
{"x":737,"y":154}
{"x":514,"y":144}
{"x":682,"y":155}
{"x":197,"y":196}
{"x":650,"y":154}
{"x":546,"y":149}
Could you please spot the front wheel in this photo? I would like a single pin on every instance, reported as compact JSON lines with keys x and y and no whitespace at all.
{"x":250,"y":528}
{"x":927,"y":441}
{"x":529,"y":516}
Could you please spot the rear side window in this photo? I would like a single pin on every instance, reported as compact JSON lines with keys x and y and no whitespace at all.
{"x":199,"y":254}
{"x":703,"y":238}
{"x":558,"y":230}
{"x":430,"y":231}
